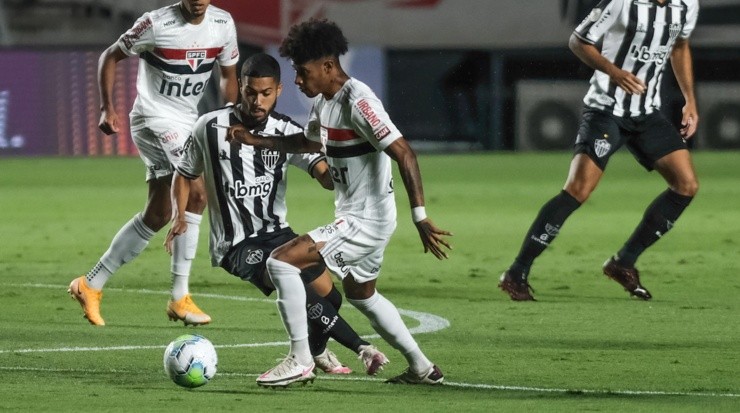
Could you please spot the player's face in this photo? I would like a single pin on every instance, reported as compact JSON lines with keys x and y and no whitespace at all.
{"x":312,"y":77}
{"x":195,"y":8}
{"x":259,"y":96}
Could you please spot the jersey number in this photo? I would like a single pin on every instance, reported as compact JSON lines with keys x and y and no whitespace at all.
{"x":339,"y":175}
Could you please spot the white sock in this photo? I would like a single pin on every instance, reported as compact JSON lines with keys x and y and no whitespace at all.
{"x":386,"y":320}
{"x":128,"y":243}
{"x":183,"y":254}
{"x":291,"y":302}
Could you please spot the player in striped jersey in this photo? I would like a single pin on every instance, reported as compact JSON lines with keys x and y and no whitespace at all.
{"x":246,"y":192}
{"x":178,"y":46}
{"x":350,"y":123}
{"x":622,"y":108}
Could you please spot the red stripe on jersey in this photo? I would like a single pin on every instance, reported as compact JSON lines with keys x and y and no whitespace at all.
{"x":181,"y":54}
{"x":341,"y":134}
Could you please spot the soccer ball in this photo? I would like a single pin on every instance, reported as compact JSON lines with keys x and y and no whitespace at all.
{"x":190,"y":360}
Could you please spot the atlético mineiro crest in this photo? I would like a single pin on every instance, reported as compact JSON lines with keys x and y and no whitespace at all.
{"x":602,"y":147}
{"x":270,"y":158}
{"x":195,"y":58}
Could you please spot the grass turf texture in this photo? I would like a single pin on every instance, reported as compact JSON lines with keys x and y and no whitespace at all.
{"x":584,"y":346}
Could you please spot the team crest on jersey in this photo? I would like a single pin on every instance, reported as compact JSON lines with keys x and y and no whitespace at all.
{"x":254,"y":257}
{"x":195,"y":58}
{"x":674,"y":30}
{"x":270,"y":158}
{"x":602,"y":147}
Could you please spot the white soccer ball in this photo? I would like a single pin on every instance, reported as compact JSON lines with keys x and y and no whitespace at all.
{"x":190,"y":360}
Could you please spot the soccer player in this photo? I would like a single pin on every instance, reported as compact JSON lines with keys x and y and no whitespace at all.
{"x":349,"y":121}
{"x":246,"y":193}
{"x":178,"y":46}
{"x":622,"y":108}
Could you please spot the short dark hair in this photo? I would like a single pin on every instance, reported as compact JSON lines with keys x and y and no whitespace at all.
{"x":261,"y":65}
{"x":313,"y":39}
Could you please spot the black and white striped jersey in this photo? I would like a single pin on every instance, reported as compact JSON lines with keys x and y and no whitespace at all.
{"x":637,"y":36}
{"x":245,"y":185}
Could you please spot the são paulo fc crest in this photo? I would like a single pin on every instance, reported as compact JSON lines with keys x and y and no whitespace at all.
{"x":195,"y":58}
{"x":602,"y":147}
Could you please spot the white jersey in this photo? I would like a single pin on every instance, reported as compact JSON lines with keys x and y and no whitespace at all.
{"x":245,"y":186}
{"x":354,"y":128}
{"x":638,"y":36}
{"x":176,"y":59}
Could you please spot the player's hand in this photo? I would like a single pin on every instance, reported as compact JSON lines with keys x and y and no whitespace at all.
{"x":431,"y":237}
{"x":109,"y":122}
{"x":628,"y":82}
{"x":689,"y":121}
{"x":238,"y":133}
{"x":178,"y":227}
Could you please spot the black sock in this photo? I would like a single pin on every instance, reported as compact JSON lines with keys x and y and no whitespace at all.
{"x":544,"y":229}
{"x":658,"y":219}
{"x":324,"y":322}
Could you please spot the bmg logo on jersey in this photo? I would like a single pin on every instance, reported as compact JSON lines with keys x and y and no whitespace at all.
{"x":261,"y":188}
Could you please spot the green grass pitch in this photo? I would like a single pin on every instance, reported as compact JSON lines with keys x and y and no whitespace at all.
{"x":584,"y":346}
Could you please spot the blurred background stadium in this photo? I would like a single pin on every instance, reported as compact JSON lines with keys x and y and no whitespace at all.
{"x":456,"y":75}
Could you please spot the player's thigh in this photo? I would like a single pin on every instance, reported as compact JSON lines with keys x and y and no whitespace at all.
{"x":654,"y":139}
{"x":301,"y":252}
{"x":583,"y":177}
{"x":678,"y":171}
{"x":160,"y":143}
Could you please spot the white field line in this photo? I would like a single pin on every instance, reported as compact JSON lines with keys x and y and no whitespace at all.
{"x":428,"y":323}
{"x":479,"y":386}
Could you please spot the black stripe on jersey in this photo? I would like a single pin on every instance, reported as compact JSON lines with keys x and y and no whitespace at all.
{"x":153,"y":60}
{"x":237,"y":171}
{"x":212,"y":140}
{"x":647,"y":40}
{"x":285,"y":118}
{"x":349,"y":151}
{"x":624,"y":48}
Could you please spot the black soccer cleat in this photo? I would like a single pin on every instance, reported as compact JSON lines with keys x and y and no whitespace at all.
{"x":516,"y":286}
{"x":628,"y":277}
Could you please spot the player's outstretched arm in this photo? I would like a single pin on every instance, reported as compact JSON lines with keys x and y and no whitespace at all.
{"x":229,"y":84}
{"x":590,"y":55}
{"x":431,"y":237}
{"x":296,"y":143}
{"x":684,"y":71}
{"x":180,"y":192}
{"x":106,"y":79}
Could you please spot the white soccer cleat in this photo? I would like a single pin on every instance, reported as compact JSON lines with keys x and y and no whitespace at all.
{"x":287,"y":372}
{"x":373,"y":359}
{"x":329,"y":364}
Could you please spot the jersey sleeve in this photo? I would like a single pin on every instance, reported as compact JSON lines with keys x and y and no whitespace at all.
{"x":230,"y":53}
{"x":313,"y":127}
{"x":191,"y":164}
{"x":692,"y":14}
{"x":371,"y":121}
{"x":599,"y":20}
{"x":139,"y":38}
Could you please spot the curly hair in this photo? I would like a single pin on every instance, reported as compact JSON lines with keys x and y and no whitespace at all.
{"x":313,"y":39}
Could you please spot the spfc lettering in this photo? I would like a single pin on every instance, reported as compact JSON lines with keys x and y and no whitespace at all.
{"x":195,"y":58}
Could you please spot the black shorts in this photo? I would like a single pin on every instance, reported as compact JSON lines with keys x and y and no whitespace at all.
{"x":247,"y":260}
{"x":648,"y":137}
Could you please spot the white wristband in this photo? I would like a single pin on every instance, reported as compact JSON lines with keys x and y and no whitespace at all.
{"x":418,"y":214}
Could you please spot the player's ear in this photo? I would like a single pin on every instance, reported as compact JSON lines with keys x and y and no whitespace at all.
{"x":328,"y":65}
{"x":279,"y":89}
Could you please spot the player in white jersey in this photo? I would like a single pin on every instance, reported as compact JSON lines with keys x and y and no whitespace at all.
{"x":622,"y":108}
{"x":350,"y":123}
{"x":178,"y":46}
{"x":246,"y":193}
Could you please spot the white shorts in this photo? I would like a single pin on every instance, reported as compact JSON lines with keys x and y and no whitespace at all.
{"x":160,"y":142}
{"x":353,"y":246}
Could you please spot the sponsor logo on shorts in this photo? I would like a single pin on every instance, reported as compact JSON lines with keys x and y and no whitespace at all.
{"x":339,"y":260}
{"x":602,"y":147}
{"x":254,"y":257}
